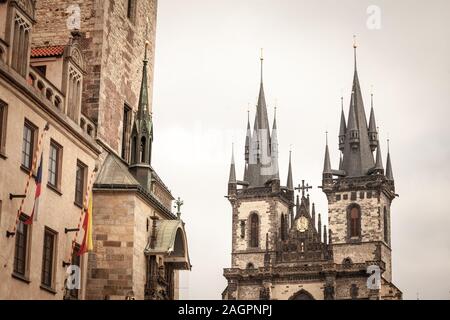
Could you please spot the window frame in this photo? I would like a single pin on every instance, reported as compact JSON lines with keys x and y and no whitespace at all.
{"x":80,"y":202}
{"x":131,"y":10}
{"x":33,"y":142}
{"x":254,"y":231}
{"x":56,"y":186}
{"x":3,"y":123}
{"x":127,"y":120}
{"x":22,"y":274}
{"x":351,"y":237}
{"x":53,"y":257}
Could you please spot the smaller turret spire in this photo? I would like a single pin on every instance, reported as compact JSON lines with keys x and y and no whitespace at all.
{"x":232,"y":178}
{"x":373,"y":132}
{"x":379,"y":162}
{"x":343,"y":127}
{"x":325,"y":234}
{"x":389,"y":173}
{"x":327,"y":163}
{"x":290,"y":183}
{"x":319,"y":227}
{"x":313,"y":214}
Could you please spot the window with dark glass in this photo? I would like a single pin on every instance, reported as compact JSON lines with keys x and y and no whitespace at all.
{"x":354,"y":222}
{"x":21,"y":247}
{"x":54,"y":164}
{"x":29,"y":131}
{"x":386,"y":225}
{"x":131,"y":7}
{"x":48,"y":258}
{"x":126,"y":129}
{"x":254,"y":230}
{"x":2,"y":126}
{"x":41,"y":69}
{"x":80,"y":183}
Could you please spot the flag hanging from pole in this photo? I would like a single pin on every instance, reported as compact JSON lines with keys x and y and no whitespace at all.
{"x":87,"y":244}
{"x":37,"y":194}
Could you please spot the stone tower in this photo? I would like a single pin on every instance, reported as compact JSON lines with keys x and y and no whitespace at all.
{"x":360,"y":192}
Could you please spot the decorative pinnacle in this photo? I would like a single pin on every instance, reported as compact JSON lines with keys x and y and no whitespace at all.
{"x":178,"y":205}
{"x":262,"y":60}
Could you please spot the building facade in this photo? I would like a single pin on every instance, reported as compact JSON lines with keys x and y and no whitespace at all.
{"x":76,"y":86}
{"x":281,"y":250}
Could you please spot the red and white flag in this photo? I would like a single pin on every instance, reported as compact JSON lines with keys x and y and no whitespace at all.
{"x":38,"y":180}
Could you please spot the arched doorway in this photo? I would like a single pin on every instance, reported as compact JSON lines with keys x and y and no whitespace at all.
{"x":302,"y":295}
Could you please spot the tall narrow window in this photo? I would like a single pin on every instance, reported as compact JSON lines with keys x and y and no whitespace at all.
{"x":80,"y":183}
{"x":354,"y":221}
{"x":131,"y":8}
{"x":20,"y":45}
{"x":283,"y":227}
{"x":48,"y":255}
{"x":126,"y":129}
{"x":3,"y":117}
{"x":254,"y":231}
{"x":143,"y":149}
{"x":74,"y":94}
{"x":386,"y":225}
{"x":54,"y":164}
{"x":29,"y":131}
{"x":21,"y":247}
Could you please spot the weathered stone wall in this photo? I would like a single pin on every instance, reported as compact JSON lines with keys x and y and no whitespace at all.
{"x":269,"y":212}
{"x":284,"y":291}
{"x":113,"y":47}
{"x":111,"y":263}
{"x":371,"y":215}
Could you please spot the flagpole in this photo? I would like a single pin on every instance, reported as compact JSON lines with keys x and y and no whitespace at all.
{"x":83,"y":209}
{"x":30,"y":174}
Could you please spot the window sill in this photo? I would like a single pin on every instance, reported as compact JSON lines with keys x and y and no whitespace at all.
{"x":26,"y":170}
{"x":54,"y":189}
{"x":20,"y":277}
{"x":48,"y":289}
{"x":78,"y":205}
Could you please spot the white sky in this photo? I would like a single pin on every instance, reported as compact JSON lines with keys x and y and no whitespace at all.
{"x":207,"y":72}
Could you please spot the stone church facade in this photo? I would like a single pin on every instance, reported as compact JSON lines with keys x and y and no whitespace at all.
{"x":85,"y":68}
{"x":281,"y":250}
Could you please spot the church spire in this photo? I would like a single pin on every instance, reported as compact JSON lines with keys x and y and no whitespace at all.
{"x":343,"y":127}
{"x":373,"y":134}
{"x":290,"y":183}
{"x":232,"y":177}
{"x":327,"y":163}
{"x":142,"y":133}
{"x":389,"y":173}
{"x":357,"y":155}
{"x":274,"y":146}
{"x":379,"y":162}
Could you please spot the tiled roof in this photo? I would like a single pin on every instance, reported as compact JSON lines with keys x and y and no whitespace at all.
{"x":50,"y":51}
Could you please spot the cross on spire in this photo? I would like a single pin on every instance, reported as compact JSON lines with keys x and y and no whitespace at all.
{"x":303,"y":188}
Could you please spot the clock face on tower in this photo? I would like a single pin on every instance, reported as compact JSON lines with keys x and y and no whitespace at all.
{"x":302,"y":224}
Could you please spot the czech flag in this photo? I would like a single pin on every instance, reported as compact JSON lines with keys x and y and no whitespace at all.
{"x":87,"y":244}
{"x":37,"y":194}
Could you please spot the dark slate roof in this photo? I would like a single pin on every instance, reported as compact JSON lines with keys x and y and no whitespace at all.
{"x":115,"y":172}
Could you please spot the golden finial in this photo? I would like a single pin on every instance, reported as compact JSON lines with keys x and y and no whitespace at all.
{"x":355,"y":45}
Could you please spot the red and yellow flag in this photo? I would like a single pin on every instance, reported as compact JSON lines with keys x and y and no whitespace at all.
{"x":87,"y":244}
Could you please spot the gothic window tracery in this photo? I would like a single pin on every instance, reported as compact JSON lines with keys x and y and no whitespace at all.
{"x":254,"y":230}
{"x":20,"y":44}
{"x":354,"y":221}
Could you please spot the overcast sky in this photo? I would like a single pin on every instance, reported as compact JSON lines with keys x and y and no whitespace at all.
{"x":207,"y":72}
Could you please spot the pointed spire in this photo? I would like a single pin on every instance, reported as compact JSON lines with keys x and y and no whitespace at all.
{"x":355,"y":46}
{"x":319,"y":227}
{"x":248,"y":138}
{"x":389,"y":173}
{"x":290,"y":183}
{"x":143,"y":106}
{"x":325,"y":237}
{"x":379,"y":163}
{"x":373,"y":132}
{"x":352,"y":125}
{"x":313,"y":214}
{"x":274,"y":147}
{"x":343,"y":127}
{"x":327,"y":163}
{"x":232,"y":178}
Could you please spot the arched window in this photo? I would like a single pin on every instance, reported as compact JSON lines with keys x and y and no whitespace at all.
{"x":354,"y":221}
{"x":254,"y":230}
{"x":250,"y":266}
{"x":143,"y":149}
{"x":386,"y":225}
{"x":302,"y":295}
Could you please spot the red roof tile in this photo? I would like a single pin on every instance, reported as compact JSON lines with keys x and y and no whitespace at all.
{"x":51,"y":51}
